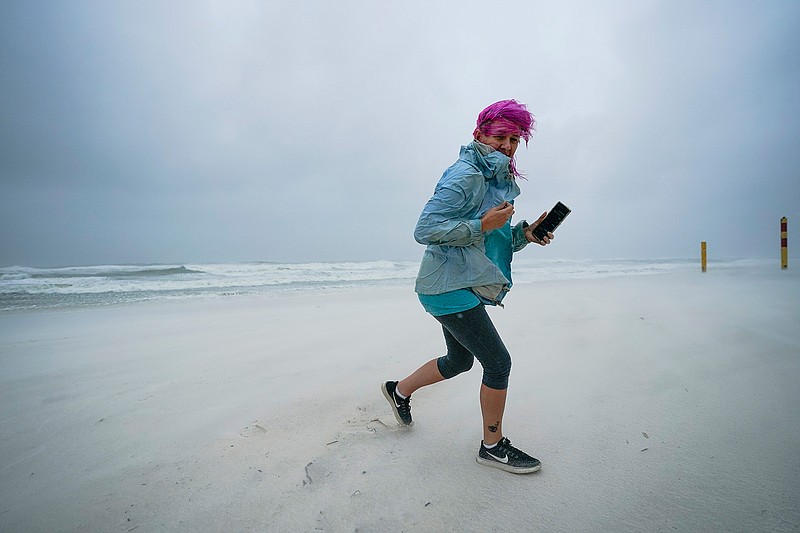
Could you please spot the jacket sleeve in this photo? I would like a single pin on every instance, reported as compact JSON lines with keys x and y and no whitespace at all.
{"x":518,"y":239}
{"x":443,"y":221}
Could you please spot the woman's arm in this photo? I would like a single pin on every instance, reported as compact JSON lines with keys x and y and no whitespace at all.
{"x":443,"y":220}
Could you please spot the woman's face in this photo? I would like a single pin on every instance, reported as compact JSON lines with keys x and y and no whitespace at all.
{"x":506,"y":144}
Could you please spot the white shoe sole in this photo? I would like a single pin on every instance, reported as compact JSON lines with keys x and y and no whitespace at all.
{"x":508,"y":468}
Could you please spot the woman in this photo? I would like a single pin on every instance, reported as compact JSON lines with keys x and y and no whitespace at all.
{"x":467,"y":265}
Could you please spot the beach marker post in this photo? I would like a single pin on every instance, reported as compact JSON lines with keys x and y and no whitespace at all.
{"x":784,"y":247}
{"x":703,"y":255}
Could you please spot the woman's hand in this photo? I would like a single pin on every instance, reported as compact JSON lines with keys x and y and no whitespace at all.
{"x":532,"y":238}
{"x":496,"y":217}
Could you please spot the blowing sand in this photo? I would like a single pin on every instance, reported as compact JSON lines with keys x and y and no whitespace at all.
{"x":655,"y":403}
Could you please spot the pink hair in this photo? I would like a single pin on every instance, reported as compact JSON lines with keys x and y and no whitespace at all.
{"x":506,"y":117}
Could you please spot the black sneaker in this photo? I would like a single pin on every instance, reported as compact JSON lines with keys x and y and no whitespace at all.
{"x":505,"y":457}
{"x":401,"y":408}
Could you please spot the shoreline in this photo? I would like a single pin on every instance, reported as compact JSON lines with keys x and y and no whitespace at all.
{"x":27,"y":288}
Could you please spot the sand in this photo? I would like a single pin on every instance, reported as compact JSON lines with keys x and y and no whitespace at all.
{"x":655,"y":403}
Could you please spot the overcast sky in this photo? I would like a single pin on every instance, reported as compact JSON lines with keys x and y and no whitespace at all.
{"x":180,"y":132}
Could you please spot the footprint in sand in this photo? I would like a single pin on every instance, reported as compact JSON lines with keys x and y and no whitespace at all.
{"x":253,"y":430}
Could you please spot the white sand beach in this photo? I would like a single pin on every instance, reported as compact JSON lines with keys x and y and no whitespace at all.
{"x":655,"y":403}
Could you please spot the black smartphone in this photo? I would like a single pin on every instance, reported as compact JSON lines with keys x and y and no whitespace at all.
{"x":551,"y":221}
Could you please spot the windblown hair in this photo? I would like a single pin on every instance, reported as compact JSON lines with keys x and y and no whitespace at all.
{"x":506,"y":117}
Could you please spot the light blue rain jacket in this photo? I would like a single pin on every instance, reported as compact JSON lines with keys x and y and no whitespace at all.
{"x":458,"y":254}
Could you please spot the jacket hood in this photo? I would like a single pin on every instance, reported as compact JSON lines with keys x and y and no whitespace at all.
{"x":492,"y":163}
{"x":494,"y":166}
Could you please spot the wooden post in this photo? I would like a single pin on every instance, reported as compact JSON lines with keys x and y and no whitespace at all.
{"x":703,"y":255}
{"x":784,"y":247}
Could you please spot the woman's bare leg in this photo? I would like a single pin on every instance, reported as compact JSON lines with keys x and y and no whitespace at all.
{"x":427,"y":374}
{"x":493,"y":404}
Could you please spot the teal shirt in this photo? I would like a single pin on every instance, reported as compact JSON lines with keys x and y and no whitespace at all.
{"x":448,"y":303}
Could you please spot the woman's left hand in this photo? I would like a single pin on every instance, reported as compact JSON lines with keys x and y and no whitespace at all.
{"x":532,"y":238}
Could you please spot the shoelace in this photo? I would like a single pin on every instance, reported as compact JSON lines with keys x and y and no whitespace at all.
{"x":506,"y":446}
{"x":404,"y":406}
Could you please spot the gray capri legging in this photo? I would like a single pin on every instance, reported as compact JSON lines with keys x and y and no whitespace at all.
{"x":470,"y":335}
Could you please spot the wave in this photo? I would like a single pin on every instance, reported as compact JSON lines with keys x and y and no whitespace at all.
{"x":160,"y":281}
{"x":155,"y":272}
{"x":112,"y":272}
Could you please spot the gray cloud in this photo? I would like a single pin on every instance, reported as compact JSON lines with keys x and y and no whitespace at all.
{"x":217,"y":131}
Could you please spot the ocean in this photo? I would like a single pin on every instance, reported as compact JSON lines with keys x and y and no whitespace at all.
{"x":42,"y":288}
